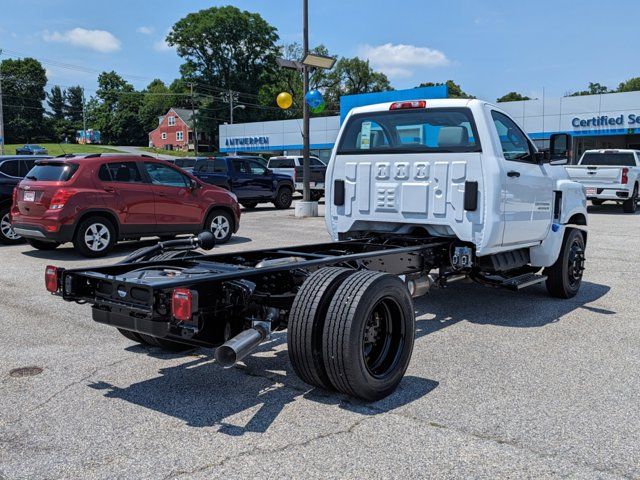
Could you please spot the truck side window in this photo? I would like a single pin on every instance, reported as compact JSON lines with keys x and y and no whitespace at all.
{"x":515,"y":145}
{"x":257,"y":169}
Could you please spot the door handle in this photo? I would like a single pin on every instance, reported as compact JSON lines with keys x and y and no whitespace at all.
{"x":109,"y":189}
{"x":513,"y":173}
{"x":162,"y":194}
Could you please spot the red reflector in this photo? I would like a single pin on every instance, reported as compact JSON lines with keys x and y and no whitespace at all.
{"x":408,"y":105}
{"x":51,"y":278}
{"x":51,"y":228}
{"x":181,"y":304}
{"x":625,"y":175}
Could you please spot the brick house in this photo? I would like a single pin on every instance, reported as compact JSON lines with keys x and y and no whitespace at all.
{"x":174,"y":131}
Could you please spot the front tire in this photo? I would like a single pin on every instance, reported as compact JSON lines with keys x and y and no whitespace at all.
{"x":597,"y":203}
{"x":306,"y":324}
{"x":220,"y":223}
{"x":7,"y":235}
{"x":565,"y":275}
{"x":368,"y":335}
{"x":95,"y":237}
{"x":631,"y":205}
{"x":283,"y":199}
{"x":249,"y":205}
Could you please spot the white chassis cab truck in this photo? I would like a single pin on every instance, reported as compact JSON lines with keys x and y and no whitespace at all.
{"x":609,"y":175}
{"x":420,"y":194}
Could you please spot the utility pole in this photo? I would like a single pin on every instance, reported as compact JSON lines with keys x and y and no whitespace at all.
{"x":306,"y":192}
{"x":1,"y":113}
{"x":84,"y":119}
{"x":231,"y":107}
{"x":193,"y":119}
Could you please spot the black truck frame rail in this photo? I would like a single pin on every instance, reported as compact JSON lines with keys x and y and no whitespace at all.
{"x":229,"y":292}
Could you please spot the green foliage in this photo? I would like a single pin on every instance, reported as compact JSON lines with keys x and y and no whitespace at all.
{"x":594,"y":89}
{"x":631,"y":85}
{"x":56,"y":99}
{"x":74,"y":105}
{"x":454,"y":90}
{"x":158,"y":99}
{"x":513,"y":97}
{"x":23,"y":83}
{"x":352,"y":76}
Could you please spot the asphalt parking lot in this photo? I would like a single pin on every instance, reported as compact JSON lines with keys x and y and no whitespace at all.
{"x":501,"y":385}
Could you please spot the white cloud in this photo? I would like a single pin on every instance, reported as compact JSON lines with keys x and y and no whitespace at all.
{"x":145,"y":30}
{"x":98,"y":40}
{"x":162,"y":45}
{"x":399,"y":61}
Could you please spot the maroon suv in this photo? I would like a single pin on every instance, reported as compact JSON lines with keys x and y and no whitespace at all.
{"x":96,"y":200}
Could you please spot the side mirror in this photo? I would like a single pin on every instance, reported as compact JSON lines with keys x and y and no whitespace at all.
{"x":268,"y":171}
{"x":559,"y":148}
{"x":193,"y":185}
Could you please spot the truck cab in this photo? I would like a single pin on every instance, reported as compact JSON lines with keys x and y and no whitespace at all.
{"x":451,"y":168}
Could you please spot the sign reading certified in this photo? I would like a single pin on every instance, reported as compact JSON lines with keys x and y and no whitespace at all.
{"x":250,"y":142}
{"x":604,"y":121}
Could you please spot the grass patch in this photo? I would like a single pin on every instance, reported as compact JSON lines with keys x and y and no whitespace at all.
{"x":173,"y":153}
{"x":56,"y":149}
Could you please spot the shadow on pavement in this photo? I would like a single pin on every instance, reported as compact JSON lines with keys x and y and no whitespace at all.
{"x":249,"y":397}
{"x":609,"y":209}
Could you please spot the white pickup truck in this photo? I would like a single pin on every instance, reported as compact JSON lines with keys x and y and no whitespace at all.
{"x":612,"y":175}
{"x":419,"y":194}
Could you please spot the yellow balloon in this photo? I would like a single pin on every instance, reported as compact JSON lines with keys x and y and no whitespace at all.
{"x":284,"y":100}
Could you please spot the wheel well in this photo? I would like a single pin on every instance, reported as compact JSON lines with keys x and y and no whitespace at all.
{"x":219,"y":207}
{"x":98,"y":213}
{"x":285,"y":185}
{"x":578,"y":219}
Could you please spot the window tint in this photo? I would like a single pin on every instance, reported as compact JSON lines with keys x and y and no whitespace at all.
{"x":609,"y":158}
{"x":410,"y":131}
{"x":11,"y":168}
{"x":185,"y":162}
{"x":281,"y":163}
{"x":257,"y":169}
{"x":119,"y":172}
{"x":314,"y":162}
{"x":241,"y":166}
{"x":52,"y":172}
{"x":25,"y":166}
{"x":515,"y":145}
{"x":216,"y":165}
{"x":164,"y":175}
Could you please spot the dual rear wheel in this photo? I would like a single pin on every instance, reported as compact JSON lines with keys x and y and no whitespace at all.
{"x":352,"y":331}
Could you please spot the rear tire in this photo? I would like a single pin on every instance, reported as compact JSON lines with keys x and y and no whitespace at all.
{"x":249,"y":205}
{"x":565,"y":275}
{"x":368,"y":335}
{"x":316,"y":195}
{"x":220,"y":223}
{"x":7,"y":235}
{"x":631,"y":205}
{"x":283,"y":199}
{"x":95,"y":237}
{"x":40,"y":245}
{"x":306,"y":324}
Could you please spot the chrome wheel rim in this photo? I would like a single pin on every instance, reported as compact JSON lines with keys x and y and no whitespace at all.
{"x":97,"y":237}
{"x":220,"y":227}
{"x":7,"y":229}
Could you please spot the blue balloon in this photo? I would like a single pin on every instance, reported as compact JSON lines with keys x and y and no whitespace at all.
{"x":314,"y":98}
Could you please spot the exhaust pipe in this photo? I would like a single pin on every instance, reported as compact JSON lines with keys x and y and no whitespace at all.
{"x":238,"y":347}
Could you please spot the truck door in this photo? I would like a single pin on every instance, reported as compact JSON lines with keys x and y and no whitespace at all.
{"x":527,"y":190}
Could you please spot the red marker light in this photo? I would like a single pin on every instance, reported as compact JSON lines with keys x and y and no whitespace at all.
{"x":408,"y":105}
{"x":625,"y":176}
{"x":51,"y":278}
{"x":181,"y":303}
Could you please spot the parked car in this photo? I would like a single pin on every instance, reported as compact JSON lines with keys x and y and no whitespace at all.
{"x":12,"y":170}
{"x":94,"y":201}
{"x":292,"y":165}
{"x":609,"y":175}
{"x":249,"y":180}
{"x":185,"y":164}
{"x":31,"y":149}
{"x":257,"y":158}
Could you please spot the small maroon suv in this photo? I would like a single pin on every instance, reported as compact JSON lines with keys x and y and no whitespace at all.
{"x":96,"y":200}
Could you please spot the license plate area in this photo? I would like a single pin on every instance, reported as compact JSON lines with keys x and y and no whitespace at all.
{"x":29,"y":196}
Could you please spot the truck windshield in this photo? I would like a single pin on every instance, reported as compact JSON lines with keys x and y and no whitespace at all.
{"x":411,"y":131}
{"x":622,"y":159}
{"x":52,"y":172}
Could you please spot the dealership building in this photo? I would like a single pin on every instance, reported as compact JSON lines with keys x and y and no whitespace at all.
{"x":609,"y":120}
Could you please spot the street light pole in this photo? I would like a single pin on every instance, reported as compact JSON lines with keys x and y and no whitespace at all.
{"x":306,"y":192}
{"x":1,"y":113}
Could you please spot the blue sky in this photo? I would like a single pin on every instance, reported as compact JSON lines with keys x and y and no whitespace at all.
{"x":490,"y":47}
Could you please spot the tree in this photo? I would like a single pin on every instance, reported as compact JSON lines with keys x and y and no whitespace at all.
{"x":56,"y":101}
{"x":23,"y":92}
{"x":594,"y":89}
{"x":352,"y":76}
{"x":74,"y":105}
{"x":225,"y":47}
{"x":513,"y":97}
{"x":157,"y":100}
{"x":454,"y":90}
{"x":631,"y":85}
